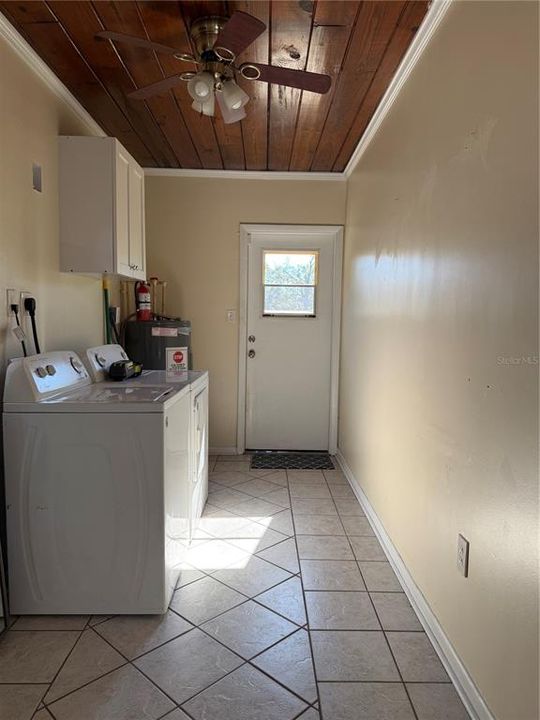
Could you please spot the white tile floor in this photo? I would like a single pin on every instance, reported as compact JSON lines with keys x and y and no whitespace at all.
{"x":279,"y":614}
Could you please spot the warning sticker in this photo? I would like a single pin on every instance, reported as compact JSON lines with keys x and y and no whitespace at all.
{"x":164,"y":331}
{"x":177,"y":359}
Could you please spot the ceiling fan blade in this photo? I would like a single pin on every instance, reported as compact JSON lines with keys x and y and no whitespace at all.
{"x":155,"y":88}
{"x":301,"y":79}
{"x":137,"y":42}
{"x":239,"y":32}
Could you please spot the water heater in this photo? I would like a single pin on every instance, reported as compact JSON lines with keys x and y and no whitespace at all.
{"x":159,"y":344}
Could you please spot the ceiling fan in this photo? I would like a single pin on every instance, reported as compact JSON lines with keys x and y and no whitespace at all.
{"x":218,"y":42}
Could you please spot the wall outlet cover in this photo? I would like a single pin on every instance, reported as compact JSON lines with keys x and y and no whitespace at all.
{"x":24,"y":294}
{"x":12,"y":298}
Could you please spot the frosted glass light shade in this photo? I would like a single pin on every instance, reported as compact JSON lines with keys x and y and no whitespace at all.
{"x":229,"y":116}
{"x":201,"y":87}
{"x":206,"y":108}
{"x":233,"y":96}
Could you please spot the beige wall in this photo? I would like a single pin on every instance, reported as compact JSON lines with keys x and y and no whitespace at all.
{"x":439,"y":350}
{"x":31,"y":118}
{"x":193,"y":243}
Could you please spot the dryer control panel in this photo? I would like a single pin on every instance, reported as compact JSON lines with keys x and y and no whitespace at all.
{"x":37,"y":377}
{"x":99,"y":359}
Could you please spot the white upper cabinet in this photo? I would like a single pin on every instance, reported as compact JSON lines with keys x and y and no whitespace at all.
{"x":101,"y":191}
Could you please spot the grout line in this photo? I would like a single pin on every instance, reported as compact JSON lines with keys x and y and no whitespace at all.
{"x":137,"y":669}
{"x":80,"y":687}
{"x":378,"y":618}
{"x":386,"y":682}
{"x":305,"y":606}
{"x":65,"y":661}
{"x":250,"y":662}
{"x":127,"y":662}
{"x":247,"y":599}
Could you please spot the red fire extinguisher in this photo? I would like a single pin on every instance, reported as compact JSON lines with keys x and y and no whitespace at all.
{"x":143,"y":302}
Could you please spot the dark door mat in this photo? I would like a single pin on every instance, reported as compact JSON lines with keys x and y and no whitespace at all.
{"x":291,"y":461}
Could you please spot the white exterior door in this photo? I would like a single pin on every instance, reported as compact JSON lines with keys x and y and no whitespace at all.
{"x":293,"y":299}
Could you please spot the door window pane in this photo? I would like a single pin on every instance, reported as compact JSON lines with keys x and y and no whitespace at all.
{"x":289,"y":300}
{"x":289,"y":282}
{"x":290,"y":268}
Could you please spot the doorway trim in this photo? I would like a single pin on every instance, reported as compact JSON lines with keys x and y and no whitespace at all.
{"x":245,"y":238}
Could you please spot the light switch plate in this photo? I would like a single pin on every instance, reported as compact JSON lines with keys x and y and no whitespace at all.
{"x":231,"y":316}
{"x":463,"y":555}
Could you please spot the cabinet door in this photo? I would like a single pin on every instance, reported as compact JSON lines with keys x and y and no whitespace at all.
{"x":122,"y":202}
{"x":136,"y":221}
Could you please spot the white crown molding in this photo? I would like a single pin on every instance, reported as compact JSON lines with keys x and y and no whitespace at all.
{"x":463,"y":682}
{"x":36,"y":64}
{"x":430,"y":23}
{"x":244,"y":174}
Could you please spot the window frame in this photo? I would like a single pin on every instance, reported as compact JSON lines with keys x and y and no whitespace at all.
{"x":286,"y":251}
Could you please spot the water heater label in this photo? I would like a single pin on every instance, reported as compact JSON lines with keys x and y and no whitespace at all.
{"x":164,"y":332}
{"x":177,"y":359}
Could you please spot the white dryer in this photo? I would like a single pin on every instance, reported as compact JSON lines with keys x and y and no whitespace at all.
{"x":98,"y":489}
{"x":99,"y":359}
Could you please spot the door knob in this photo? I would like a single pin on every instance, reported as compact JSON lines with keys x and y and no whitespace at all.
{"x":251,"y":338}
{"x":251,"y":353}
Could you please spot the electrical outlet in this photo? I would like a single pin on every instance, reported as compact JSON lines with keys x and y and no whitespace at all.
{"x":463,"y":555}
{"x":24,"y":294}
{"x":12,"y":298}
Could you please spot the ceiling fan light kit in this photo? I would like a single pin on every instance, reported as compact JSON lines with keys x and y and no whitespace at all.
{"x":201,"y":86}
{"x":233,"y":95}
{"x":229,"y":116}
{"x":217,"y":43}
{"x":205,"y":108}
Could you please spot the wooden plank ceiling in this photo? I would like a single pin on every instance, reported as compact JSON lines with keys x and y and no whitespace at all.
{"x":359,"y":44}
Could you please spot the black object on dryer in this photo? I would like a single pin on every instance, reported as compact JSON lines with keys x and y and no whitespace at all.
{"x":124,"y":369}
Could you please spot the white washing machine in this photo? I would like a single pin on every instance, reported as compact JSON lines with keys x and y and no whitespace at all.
{"x":98,"y":489}
{"x":99,"y":359}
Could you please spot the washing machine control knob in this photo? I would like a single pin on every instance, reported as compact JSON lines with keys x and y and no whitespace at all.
{"x":51,"y":370}
{"x":41,"y":372}
{"x":76,"y":364}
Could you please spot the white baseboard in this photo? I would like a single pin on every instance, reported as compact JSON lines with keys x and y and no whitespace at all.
{"x":469,"y":693}
{"x":223,"y":451}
